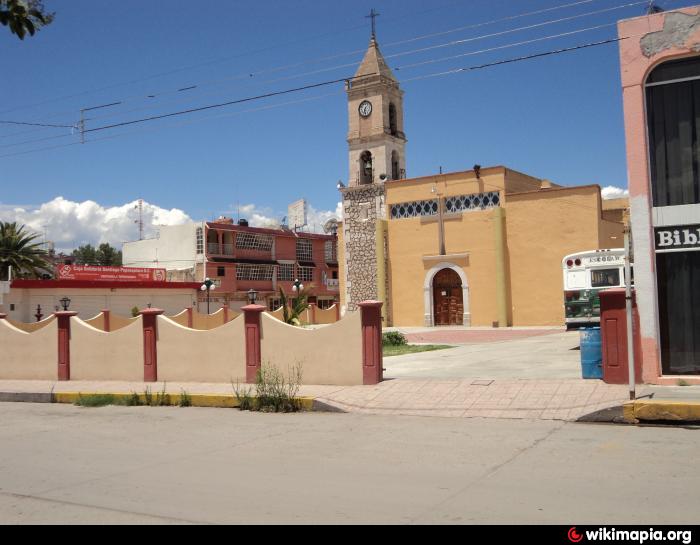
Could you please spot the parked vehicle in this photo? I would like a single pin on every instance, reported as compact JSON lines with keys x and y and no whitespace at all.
{"x":585,"y":274}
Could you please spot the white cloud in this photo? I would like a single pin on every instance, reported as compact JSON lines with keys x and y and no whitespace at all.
{"x":612,"y":192}
{"x":266,"y":217}
{"x":70,"y":224}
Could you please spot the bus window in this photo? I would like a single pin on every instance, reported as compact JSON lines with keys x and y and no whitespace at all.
{"x":602,"y":278}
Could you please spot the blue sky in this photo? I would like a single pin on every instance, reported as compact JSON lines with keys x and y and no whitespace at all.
{"x":559,"y":117}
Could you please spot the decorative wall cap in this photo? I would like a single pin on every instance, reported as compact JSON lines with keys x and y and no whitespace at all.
{"x":446,"y":257}
{"x":151,"y":311}
{"x":370,"y":304}
{"x":254,"y":308}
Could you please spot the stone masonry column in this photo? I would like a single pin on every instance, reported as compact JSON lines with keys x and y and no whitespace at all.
{"x":63,"y":319}
{"x":150,"y":343}
{"x":253,"y":361}
{"x":372,"y":360}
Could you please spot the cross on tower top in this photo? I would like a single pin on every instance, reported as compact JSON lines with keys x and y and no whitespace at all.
{"x":373,"y":15}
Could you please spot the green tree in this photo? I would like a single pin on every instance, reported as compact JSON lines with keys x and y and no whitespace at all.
{"x":24,"y":16}
{"x":85,"y":255}
{"x":291,"y":314}
{"x":19,"y":250}
{"x":108,"y":256}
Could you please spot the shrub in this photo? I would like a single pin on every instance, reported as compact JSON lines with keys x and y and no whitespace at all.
{"x":162,"y":398}
{"x":273,"y":392}
{"x":135,"y":312}
{"x":134,"y":400}
{"x":393,"y":338}
{"x":185,"y":399}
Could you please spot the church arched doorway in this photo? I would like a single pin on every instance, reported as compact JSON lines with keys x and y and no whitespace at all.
{"x":448,"y":302}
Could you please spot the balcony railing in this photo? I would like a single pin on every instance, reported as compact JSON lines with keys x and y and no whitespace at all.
{"x":227,"y":249}
{"x":213,"y":247}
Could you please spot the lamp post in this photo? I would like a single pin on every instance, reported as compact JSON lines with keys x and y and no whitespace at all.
{"x":65,"y":303}
{"x":297,"y":287}
{"x":252,"y":296}
{"x":207,"y":286}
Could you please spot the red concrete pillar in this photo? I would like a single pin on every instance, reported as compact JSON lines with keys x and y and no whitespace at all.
{"x":107,"y":325}
{"x":3,"y":316}
{"x":225,"y":313}
{"x":251,"y":314}
{"x":150,"y":343}
{"x":190,"y":320}
{"x":372,"y":360}
{"x":63,"y":319}
{"x":312,"y":313}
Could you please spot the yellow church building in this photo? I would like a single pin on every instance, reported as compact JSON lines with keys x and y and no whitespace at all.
{"x":481,"y":247}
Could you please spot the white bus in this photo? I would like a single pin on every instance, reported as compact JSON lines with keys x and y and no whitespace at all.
{"x":585,"y":274}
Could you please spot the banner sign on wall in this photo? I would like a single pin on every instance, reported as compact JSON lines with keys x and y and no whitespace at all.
{"x":120,"y":274}
{"x":677,"y":238}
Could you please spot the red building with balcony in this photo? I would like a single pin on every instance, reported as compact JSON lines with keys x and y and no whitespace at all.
{"x":240,"y":258}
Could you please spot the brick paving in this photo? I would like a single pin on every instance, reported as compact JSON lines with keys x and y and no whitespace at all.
{"x":566,"y":399}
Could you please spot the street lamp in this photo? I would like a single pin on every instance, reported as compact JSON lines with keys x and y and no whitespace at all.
{"x":297,"y":287}
{"x":65,"y":302}
{"x":208,"y":286}
{"x":252,"y":296}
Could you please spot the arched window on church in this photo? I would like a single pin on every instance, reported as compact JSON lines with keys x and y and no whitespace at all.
{"x":366,"y":176}
{"x":395,"y":171}
{"x":393,"y":126}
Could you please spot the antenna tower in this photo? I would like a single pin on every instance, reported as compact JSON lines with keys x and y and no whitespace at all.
{"x":139,"y":221}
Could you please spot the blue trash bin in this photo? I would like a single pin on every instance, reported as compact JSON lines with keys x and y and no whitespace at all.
{"x":591,"y":353}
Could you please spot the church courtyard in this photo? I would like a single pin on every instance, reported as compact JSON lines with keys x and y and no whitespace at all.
{"x":486,"y":353}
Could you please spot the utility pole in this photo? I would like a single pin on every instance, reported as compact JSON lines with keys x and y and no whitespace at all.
{"x":628,"y":311}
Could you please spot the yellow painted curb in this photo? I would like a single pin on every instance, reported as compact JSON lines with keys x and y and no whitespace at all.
{"x":662,"y":410}
{"x":196,"y":400}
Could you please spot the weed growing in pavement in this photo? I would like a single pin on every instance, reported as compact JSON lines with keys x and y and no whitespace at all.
{"x":94,"y":400}
{"x":162,"y":398}
{"x":185,"y":399}
{"x":683,"y":382}
{"x":273,"y":392}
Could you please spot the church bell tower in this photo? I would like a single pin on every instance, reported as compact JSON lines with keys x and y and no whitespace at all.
{"x":376,"y":138}
{"x":376,"y":150}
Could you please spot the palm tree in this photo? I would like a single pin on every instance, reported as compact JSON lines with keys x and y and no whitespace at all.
{"x":19,"y":250}
{"x":291,"y":314}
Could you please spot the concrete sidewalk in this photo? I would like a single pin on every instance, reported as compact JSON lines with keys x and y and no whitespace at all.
{"x":564,"y":399}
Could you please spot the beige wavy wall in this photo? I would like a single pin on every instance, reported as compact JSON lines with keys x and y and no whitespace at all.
{"x":35,"y":326}
{"x":117,"y":322}
{"x":190,"y":355}
{"x":28,"y":356}
{"x":327,"y":316}
{"x":182,"y":318}
{"x":206,"y":322}
{"x":97,"y":355}
{"x":98,"y":322}
{"x":328,"y":355}
{"x":278,"y":314}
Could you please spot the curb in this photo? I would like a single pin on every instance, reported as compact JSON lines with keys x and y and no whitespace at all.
{"x":228,"y":401}
{"x":659,"y":410}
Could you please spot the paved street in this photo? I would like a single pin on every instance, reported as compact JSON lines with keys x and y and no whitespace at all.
{"x":491,"y":354}
{"x":160,"y":465}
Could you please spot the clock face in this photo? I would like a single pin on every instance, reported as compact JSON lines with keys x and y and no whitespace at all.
{"x":365,"y":108}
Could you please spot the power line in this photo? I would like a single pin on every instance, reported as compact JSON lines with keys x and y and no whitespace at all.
{"x":253,"y":74}
{"x":316,"y":85}
{"x":37,"y":124}
{"x":458,"y":42}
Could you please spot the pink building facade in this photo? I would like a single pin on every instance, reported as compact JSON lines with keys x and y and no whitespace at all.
{"x":240,"y":258}
{"x":660,"y":68}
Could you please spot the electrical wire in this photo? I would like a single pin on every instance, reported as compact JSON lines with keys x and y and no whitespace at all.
{"x":296,"y":65}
